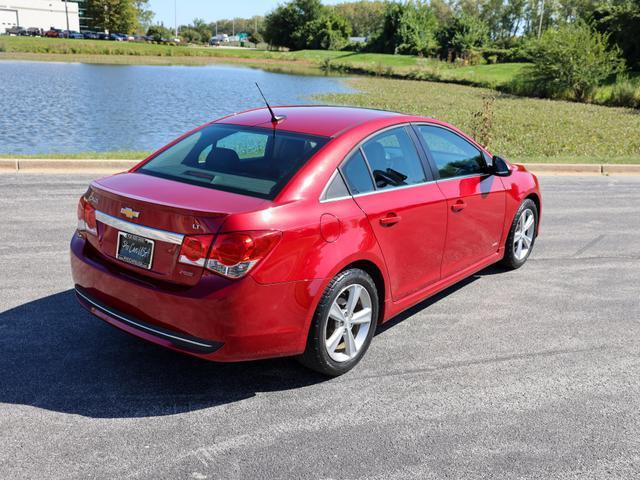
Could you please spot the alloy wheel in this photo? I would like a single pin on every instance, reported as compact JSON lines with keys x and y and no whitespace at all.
{"x":349,"y":322}
{"x":523,"y":236}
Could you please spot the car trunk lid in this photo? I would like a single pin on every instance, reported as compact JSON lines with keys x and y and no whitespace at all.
{"x":162,"y":212}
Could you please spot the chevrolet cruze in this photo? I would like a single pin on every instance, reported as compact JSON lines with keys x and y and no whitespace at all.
{"x":296,"y":232}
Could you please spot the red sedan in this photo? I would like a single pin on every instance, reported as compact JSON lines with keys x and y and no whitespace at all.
{"x":261,"y":235}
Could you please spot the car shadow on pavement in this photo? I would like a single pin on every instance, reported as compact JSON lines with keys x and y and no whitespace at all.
{"x":58,"y":357}
{"x":491,"y":270}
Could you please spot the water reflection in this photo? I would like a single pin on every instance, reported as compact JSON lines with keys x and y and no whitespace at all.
{"x":62,"y":107}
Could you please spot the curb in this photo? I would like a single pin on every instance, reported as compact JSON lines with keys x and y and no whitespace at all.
{"x":8,"y":166}
{"x":67,"y":166}
{"x":621,"y":169}
{"x":564,"y":168}
{"x":34,"y":165}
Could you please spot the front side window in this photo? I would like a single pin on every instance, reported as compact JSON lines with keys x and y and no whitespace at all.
{"x":453,"y":155}
{"x":393,"y":159}
{"x":247,"y":160}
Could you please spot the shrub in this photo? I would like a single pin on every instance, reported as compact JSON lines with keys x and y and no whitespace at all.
{"x":407,"y":28}
{"x":461,"y":35}
{"x":191,"y":35}
{"x":329,"y":32}
{"x":569,"y":63}
{"x":504,"y":55}
{"x":623,"y":93}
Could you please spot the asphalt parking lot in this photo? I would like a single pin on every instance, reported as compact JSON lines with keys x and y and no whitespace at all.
{"x":527,"y":374}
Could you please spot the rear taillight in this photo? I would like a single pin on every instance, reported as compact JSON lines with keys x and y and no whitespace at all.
{"x":194,"y":249}
{"x":87,"y":217}
{"x":234,"y":254}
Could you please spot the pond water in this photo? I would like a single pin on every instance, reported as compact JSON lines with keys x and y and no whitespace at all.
{"x":67,"y":107}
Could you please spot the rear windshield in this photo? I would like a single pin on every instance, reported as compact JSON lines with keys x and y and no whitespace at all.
{"x":248,"y":160}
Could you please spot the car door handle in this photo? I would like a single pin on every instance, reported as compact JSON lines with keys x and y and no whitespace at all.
{"x":459,"y":206}
{"x":390,"y":219}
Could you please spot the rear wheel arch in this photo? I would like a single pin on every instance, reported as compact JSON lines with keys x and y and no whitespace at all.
{"x":378,"y":278}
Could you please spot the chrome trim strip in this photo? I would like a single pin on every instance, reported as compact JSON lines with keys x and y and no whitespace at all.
{"x":143,"y":327}
{"x":462,"y":177}
{"x":337,"y":199}
{"x":147,"y":232}
{"x":375,"y":192}
{"x":394,"y":189}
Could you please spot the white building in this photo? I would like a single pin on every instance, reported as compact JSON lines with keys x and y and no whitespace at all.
{"x":39,"y":13}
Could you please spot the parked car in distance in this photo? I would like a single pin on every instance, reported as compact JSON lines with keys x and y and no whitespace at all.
{"x":103,"y":36}
{"x":16,"y":32}
{"x":53,"y":33}
{"x":34,"y":32}
{"x":296,"y":232}
{"x":88,"y":35}
{"x":75,"y":35}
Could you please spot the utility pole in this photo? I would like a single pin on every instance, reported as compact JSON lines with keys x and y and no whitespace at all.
{"x":233,"y":27}
{"x":66,"y":12}
{"x":541,"y":17}
{"x":175,"y":15}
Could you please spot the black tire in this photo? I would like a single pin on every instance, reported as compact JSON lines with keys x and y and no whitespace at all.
{"x":316,"y":356}
{"x":510,"y":260}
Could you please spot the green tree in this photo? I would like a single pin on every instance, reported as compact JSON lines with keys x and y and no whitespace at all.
{"x":365,"y":17}
{"x":159,"y":33}
{"x":202,"y":27}
{"x":418,"y":26}
{"x":461,"y":35}
{"x":329,"y":32}
{"x":256,"y":37}
{"x":621,"y":20}
{"x":112,"y":15}
{"x":570,"y":62}
{"x":145,"y":15}
{"x":407,"y":28}
{"x":294,"y":24}
{"x":191,"y":35}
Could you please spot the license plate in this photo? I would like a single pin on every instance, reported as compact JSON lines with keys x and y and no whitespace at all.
{"x":135,"y":250}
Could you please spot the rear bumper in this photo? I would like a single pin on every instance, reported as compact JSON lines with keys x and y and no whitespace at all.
{"x":217,"y":319}
{"x":151,"y":332}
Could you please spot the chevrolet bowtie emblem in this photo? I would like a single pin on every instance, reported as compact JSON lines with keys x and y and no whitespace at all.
{"x":129,"y":213}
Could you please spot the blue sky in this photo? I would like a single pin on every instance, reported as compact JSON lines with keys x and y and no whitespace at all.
{"x":211,"y":10}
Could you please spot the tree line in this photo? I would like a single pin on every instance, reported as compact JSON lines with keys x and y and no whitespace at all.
{"x":450,"y":29}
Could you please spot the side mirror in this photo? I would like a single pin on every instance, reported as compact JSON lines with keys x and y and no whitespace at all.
{"x":500,"y":167}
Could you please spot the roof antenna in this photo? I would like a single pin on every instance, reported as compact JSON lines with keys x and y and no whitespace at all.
{"x":274,"y":118}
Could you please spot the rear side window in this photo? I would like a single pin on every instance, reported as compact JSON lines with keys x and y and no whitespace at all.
{"x":336,"y":189}
{"x":394,"y":159}
{"x":248,"y":160}
{"x":357,"y":175}
{"x":453,"y":155}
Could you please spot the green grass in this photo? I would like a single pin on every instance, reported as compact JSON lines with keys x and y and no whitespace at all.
{"x":524,"y":129}
{"x":304,"y":61}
